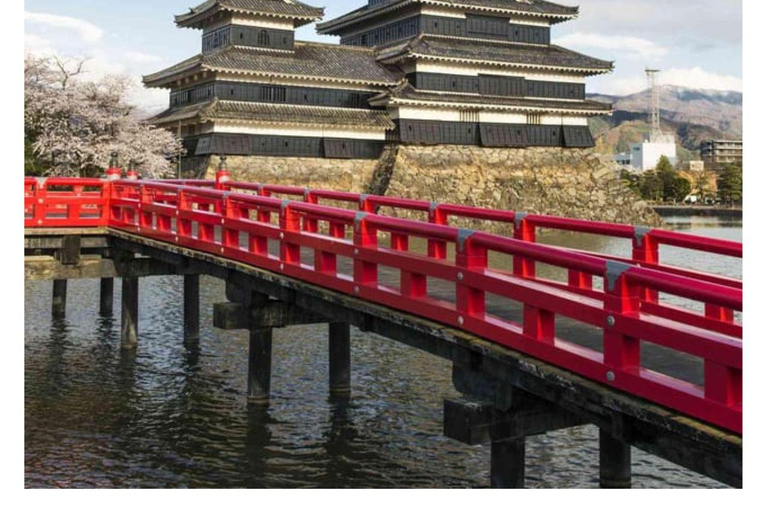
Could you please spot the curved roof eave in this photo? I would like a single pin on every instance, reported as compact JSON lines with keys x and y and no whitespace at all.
{"x":586,"y":71}
{"x":364,"y":13}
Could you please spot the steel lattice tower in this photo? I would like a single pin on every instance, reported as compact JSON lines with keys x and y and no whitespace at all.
{"x":654,"y":121}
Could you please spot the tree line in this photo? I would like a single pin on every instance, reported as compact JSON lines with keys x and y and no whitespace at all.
{"x":664,"y":184}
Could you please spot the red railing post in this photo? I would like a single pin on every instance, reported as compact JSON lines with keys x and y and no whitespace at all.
{"x":365,"y":205}
{"x":525,"y":230}
{"x":263,"y":215}
{"x":290,"y":222}
{"x":114,"y":172}
{"x":539,"y":324}
{"x":223,"y":176}
{"x":579,"y":280}
{"x":41,"y":192}
{"x":437,"y":249}
{"x":183,"y":226}
{"x":645,"y":249}
{"x":722,"y":384}
{"x":310,"y":224}
{"x":470,"y":301}
{"x":145,"y":199}
{"x":412,"y":284}
{"x":230,"y":237}
{"x":222,"y":179}
{"x":620,"y":352}
{"x":106,"y":202}
{"x":365,"y":236}
{"x":131,"y":173}
{"x":326,"y":262}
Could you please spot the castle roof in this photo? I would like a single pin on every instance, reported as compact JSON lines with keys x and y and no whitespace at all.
{"x":292,"y":9}
{"x":329,"y":62}
{"x":247,"y":112}
{"x":406,"y":94}
{"x":537,"y":8}
{"x":501,"y":53}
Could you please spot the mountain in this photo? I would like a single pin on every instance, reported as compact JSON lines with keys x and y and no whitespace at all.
{"x":693,"y":115}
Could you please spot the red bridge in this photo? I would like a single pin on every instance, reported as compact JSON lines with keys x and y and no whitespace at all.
{"x":364,"y":260}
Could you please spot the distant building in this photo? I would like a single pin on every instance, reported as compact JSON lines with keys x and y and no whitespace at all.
{"x":646,"y":155}
{"x":718,"y":153}
{"x":694,"y":166}
{"x":623,"y":159}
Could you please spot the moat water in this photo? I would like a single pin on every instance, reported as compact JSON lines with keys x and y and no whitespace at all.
{"x":173,"y":416}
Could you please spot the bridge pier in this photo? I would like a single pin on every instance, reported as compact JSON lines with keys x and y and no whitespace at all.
{"x":615,"y":462}
{"x":495,"y":412}
{"x":260,"y":314}
{"x":191,"y":308}
{"x":59,"y":303}
{"x":339,"y":358}
{"x":259,"y":365}
{"x":129,"y":321}
{"x":106,"y":296}
{"x":508,"y":464}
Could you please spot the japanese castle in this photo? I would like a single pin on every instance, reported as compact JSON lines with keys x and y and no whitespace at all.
{"x":468,"y":72}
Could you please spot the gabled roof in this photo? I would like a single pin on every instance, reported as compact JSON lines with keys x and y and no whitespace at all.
{"x":537,"y":8}
{"x":330,"y":62}
{"x":406,"y":94}
{"x":500,"y":53}
{"x":292,"y":9}
{"x":276,"y":114}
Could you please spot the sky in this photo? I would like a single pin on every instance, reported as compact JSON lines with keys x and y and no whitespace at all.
{"x":696,"y":43}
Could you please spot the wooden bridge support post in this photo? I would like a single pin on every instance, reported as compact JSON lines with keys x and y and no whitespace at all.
{"x":339,"y":358}
{"x":129,"y":328}
{"x":508,"y":463}
{"x":259,"y":365}
{"x":59,"y":303}
{"x":615,"y":462}
{"x":106,"y":296}
{"x":191,"y":308}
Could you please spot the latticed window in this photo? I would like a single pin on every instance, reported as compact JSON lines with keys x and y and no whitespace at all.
{"x":263,"y":38}
{"x":273,"y":94}
{"x":469,"y":116}
{"x":533,"y":119}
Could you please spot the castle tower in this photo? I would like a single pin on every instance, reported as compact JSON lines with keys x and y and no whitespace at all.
{"x":255,"y":90}
{"x":470,"y":72}
{"x":478,"y":71}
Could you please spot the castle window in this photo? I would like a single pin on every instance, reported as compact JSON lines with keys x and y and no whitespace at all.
{"x":533,"y":119}
{"x":263,"y":38}
{"x":272,"y":94}
{"x":469,"y":116}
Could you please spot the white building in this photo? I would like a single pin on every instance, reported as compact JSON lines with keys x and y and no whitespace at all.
{"x":646,"y":155}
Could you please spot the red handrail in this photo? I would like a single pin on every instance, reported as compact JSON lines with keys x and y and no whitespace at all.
{"x":240,"y":226}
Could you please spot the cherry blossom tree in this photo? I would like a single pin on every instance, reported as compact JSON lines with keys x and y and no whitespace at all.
{"x":71,"y":125}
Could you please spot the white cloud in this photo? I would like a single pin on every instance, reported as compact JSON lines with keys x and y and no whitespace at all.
{"x":615,"y":44}
{"x":622,"y":86}
{"x":691,"y":78}
{"x":698,"y":78}
{"x":87,"y":31}
{"x":142,"y":58}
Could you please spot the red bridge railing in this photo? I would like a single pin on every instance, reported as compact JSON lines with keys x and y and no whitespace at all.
{"x":645,"y":242}
{"x":240,"y":226}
